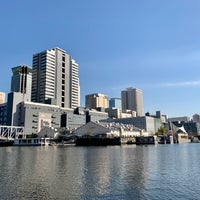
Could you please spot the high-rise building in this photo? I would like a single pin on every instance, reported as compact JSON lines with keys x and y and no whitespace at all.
{"x":3,"y":114}
{"x":3,"y":109}
{"x":2,"y":97}
{"x":132,"y":100}
{"x":22,"y":80}
{"x":115,"y":103}
{"x":55,"y":79}
{"x":196,"y":118}
{"x":14,"y":105}
{"x":96,"y":100}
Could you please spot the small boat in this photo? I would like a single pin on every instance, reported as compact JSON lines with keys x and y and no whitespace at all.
{"x":69,"y":142}
{"x":32,"y":141}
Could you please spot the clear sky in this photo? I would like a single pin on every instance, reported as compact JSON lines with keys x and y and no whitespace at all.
{"x":152,"y":45}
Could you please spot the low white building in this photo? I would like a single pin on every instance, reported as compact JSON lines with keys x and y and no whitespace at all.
{"x":108,"y":130}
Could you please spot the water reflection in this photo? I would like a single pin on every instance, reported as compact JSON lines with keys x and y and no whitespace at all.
{"x":114,"y":172}
{"x":78,"y":173}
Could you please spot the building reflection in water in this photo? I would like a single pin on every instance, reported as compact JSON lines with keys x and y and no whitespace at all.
{"x":112,"y":172}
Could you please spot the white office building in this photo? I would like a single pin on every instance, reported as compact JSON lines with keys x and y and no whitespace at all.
{"x":55,"y":79}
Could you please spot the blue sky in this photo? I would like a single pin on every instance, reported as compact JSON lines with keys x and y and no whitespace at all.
{"x":152,"y":45}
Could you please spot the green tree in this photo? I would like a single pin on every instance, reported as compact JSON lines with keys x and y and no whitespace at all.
{"x":161,"y":131}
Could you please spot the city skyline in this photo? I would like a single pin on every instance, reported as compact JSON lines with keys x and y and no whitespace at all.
{"x":153,"y":46}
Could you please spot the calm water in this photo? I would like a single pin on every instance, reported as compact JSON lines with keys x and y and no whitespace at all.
{"x":113,"y":172}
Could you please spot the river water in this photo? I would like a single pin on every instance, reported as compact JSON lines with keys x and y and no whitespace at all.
{"x":112,"y":172}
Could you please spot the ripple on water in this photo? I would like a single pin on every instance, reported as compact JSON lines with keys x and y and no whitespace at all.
{"x":120,"y":172}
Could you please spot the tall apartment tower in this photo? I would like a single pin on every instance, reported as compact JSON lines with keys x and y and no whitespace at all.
{"x":96,"y":100}
{"x":132,"y":100}
{"x":55,"y":79}
{"x":22,"y":80}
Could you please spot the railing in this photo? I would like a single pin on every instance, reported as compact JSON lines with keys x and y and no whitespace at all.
{"x":11,"y":132}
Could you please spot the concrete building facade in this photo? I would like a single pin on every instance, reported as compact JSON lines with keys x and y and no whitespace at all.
{"x":114,"y":112}
{"x":37,"y":116}
{"x":22,"y":80}
{"x":96,"y":100}
{"x":117,"y":113}
{"x":55,"y":79}
{"x":95,"y":116}
{"x":146,"y":123}
{"x":132,"y":100}
{"x":3,"y":114}
{"x":14,"y":107}
{"x":2,"y":97}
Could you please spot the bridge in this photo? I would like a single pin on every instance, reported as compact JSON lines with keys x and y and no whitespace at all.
{"x":9,"y":133}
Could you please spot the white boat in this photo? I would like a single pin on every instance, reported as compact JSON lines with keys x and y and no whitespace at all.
{"x":31,"y":141}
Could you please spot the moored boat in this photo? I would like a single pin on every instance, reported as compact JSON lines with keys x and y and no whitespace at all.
{"x":31,"y":142}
